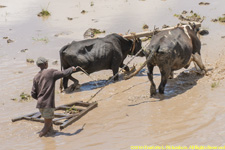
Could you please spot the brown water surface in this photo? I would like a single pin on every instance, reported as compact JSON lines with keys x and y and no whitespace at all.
{"x":190,"y":112}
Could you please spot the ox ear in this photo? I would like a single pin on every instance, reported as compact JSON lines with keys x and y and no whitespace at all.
{"x":194,"y":27}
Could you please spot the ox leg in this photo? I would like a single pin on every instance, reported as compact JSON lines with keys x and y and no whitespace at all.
{"x":189,"y":62}
{"x":76,"y":82}
{"x":197,"y":58}
{"x":150,"y":77}
{"x":165,"y":72}
{"x":65,"y":82}
{"x":115,"y":71}
{"x":171,"y":75}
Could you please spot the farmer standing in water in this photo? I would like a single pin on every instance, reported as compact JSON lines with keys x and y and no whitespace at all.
{"x":43,"y":91}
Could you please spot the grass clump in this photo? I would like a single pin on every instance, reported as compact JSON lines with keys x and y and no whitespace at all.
{"x":195,"y":16}
{"x":92,"y":3}
{"x":192,"y":17}
{"x":96,"y":31}
{"x":45,"y":39}
{"x":71,"y":110}
{"x":221,"y":19}
{"x":215,"y":84}
{"x":30,"y":61}
{"x":44,"y":13}
{"x":24,"y":96}
{"x":145,"y":26}
{"x":176,"y":15}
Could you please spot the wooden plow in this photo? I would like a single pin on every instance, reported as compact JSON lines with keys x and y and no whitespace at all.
{"x":151,"y":33}
{"x":64,"y":115}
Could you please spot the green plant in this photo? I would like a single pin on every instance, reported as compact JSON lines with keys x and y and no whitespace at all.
{"x":96,"y":31}
{"x":215,"y":84}
{"x":222,"y":19}
{"x":44,"y":12}
{"x":92,"y":3}
{"x":30,"y":60}
{"x":195,"y":15}
{"x":24,"y":97}
{"x":71,"y":110}
{"x":176,"y":15}
{"x":45,"y":39}
{"x":145,"y":26}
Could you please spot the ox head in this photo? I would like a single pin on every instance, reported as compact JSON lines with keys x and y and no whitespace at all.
{"x":136,"y":47}
{"x":193,"y":27}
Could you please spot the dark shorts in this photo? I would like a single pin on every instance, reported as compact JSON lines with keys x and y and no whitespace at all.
{"x":47,"y":113}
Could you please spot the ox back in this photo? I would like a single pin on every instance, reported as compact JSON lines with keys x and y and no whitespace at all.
{"x":96,"y":54}
{"x":172,"y":50}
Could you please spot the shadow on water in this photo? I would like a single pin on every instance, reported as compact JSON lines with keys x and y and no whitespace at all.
{"x":174,"y":87}
{"x":93,"y":85}
{"x":88,"y":86}
{"x":183,"y":82}
{"x":60,"y":133}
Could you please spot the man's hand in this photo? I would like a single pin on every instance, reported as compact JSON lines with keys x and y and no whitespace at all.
{"x":74,"y":69}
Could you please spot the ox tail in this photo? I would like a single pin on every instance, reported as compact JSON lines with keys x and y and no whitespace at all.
{"x":61,"y":62}
{"x":148,"y":59}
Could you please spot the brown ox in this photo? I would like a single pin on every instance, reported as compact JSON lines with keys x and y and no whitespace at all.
{"x":172,"y":50}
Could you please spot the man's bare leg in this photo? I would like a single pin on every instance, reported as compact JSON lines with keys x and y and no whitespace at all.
{"x":46,"y":128}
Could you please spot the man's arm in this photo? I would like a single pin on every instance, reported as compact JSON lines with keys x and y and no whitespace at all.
{"x":59,"y":74}
{"x":34,"y":90}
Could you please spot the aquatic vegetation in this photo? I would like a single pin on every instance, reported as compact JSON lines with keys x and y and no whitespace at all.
{"x":30,"y":60}
{"x":2,"y":6}
{"x":44,"y":13}
{"x":176,"y":15}
{"x":92,"y":3}
{"x":83,"y":12}
{"x":145,"y":26}
{"x":91,"y":32}
{"x":45,"y":39}
{"x":193,"y":17}
{"x":24,"y":96}
{"x":221,"y":19}
{"x":96,"y":31}
{"x":215,"y":84}
{"x":71,"y":110}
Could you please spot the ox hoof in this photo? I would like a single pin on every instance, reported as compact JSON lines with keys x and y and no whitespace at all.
{"x":72,"y":88}
{"x":200,"y":72}
{"x":115,"y":79}
{"x":161,"y":91}
{"x":153,"y":92}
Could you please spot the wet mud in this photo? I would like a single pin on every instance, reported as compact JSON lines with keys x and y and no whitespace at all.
{"x":191,"y":112}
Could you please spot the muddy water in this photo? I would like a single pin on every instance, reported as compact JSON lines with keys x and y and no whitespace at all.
{"x":189,"y":113}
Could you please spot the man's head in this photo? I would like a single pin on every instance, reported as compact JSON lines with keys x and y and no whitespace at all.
{"x":42,"y":63}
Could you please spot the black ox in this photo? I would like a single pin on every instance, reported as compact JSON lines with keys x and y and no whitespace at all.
{"x":172,"y":50}
{"x":98,"y":54}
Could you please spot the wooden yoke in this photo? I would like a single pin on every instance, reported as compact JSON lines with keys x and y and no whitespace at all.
{"x":150,"y":33}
